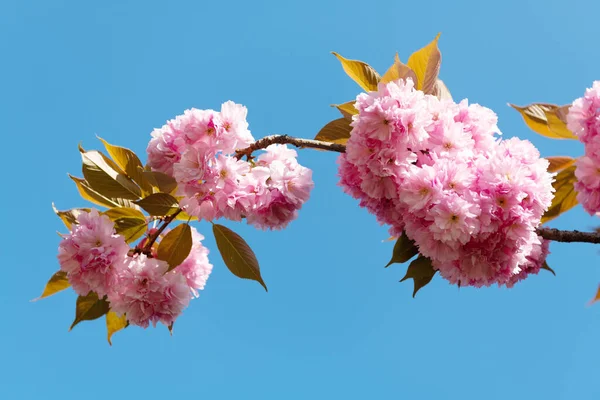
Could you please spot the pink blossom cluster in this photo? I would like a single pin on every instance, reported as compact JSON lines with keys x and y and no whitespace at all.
{"x":433,"y":169}
{"x":584,"y":121}
{"x":96,"y":259}
{"x":198,"y":150}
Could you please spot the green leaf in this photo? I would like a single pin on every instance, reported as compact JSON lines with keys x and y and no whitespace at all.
{"x":114,"y":323}
{"x":129,"y":223}
{"x":175,"y":246}
{"x":404,"y":250}
{"x":237,"y":255}
{"x":559,"y":163}
{"x":336,"y":131}
{"x":347,"y":109}
{"x":69,"y":217}
{"x":360,"y":72}
{"x":547,"y":268}
{"x":163,"y":182}
{"x":421,"y":271}
{"x":426,"y":65}
{"x":565,"y":196}
{"x":107,"y":179}
{"x":130,"y":163}
{"x":88,"y":308}
{"x":159,"y":204}
{"x":57,"y":283}
{"x":398,"y":70}
{"x":546,"y":119}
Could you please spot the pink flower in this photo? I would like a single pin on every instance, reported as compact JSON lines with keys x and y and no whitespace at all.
{"x":233,"y":121}
{"x":165,"y":148}
{"x":214,"y":183}
{"x":92,"y":253}
{"x":583,"y":118}
{"x":535,"y":261}
{"x":193,"y":165}
{"x":196,"y":269}
{"x":455,"y":219}
{"x":286,"y":187}
{"x":434,"y":170}
{"x":147,"y":293}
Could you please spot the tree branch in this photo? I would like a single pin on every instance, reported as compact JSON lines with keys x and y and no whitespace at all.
{"x":147,"y":246}
{"x":569,"y":236}
{"x":285,"y":139}
{"x":547,"y":233}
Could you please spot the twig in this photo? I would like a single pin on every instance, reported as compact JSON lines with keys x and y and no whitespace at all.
{"x":569,"y":236}
{"x":285,"y":139}
{"x":147,"y":249}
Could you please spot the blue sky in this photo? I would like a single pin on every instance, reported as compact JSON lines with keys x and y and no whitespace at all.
{"x":335,"y":323}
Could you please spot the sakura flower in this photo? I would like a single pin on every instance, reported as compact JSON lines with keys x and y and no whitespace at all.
{"x":92,"y":253}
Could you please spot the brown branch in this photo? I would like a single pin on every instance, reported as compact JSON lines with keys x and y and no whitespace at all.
{"x":285,"y":139}
{"x":547,"y":233}
{"x":147,"y":249}
{"x":569,"y":236}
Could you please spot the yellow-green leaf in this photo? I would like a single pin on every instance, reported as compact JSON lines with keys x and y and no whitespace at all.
{"x":159,"y":204}
{"x":114,"y":323}
{"x":130,"y":163}
{"x":163,"y":182}
{"x":57,"y":283}
{"x":547,"y":268}
{"x":562,"y":112}
{"x":89,"y":194}
{"x":69,"y":217}
{"x":441,"y":91}
{"x":175,"y":246}
{"x":360,"y":72}
{"x":596,"y":297}
{"x":336,"y":131}
{"x":129,"y":223}
{"x":426,"y":65}
{"x":404,"y":250}
{"x":558,"y":163}
{"x":106,"y":180}
{"x":421,"y":271}
{"x":347,"y":109}
{"x":546,"y":119}
{"x":565,"y":196}
{"x":88,"y":308}
{"x":237,"y":255}
{"x":398,"y":70}
{"x":183,"y":216}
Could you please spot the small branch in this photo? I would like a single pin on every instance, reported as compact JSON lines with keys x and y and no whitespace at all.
{"x":547,"y":233}
{"x":569,"y":236}
{"x":147,"y":249}
{"x":285,"y":139}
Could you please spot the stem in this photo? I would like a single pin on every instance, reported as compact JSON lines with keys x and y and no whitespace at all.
{"x":152,"y":238}
{"x":285,"y":139}
{"x":547,"y":233}
{"x":569,"y":236}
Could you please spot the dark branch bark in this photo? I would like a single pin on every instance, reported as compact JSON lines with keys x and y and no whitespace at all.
{"x":569,"y":236}
{"x":147,"y":248}
{"x":285,"y":139}
{"x":547,"y":233}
